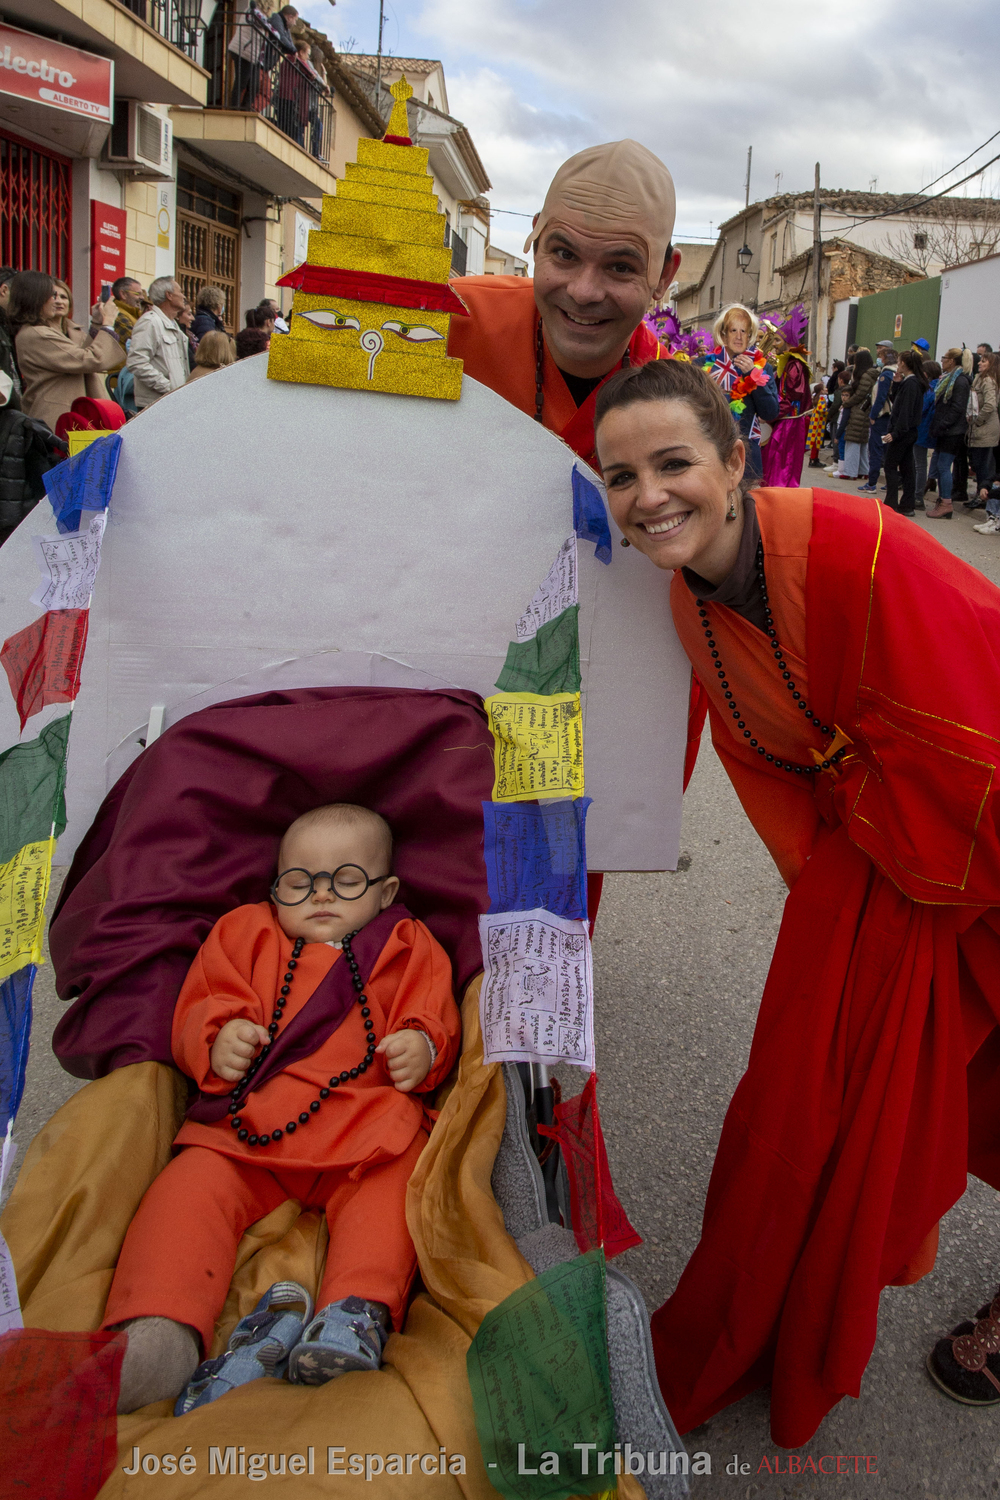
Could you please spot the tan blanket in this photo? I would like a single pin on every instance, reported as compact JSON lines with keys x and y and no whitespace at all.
{"x":82,"y":1180}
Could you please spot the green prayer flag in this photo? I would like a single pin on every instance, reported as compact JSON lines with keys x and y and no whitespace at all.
{"x":547,"y":663}
{"x":541,"y":1387}
{"x":32,"y":789}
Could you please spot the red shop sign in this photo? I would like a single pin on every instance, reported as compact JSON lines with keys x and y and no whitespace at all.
{"x":107,"y":246}
{"x":32,"y":67}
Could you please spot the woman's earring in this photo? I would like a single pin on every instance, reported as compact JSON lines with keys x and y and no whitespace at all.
{"x":624,"y":542}
{"x":731,"y":513}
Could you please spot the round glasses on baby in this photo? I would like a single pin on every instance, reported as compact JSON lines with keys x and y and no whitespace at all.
{"x":349,"y":882}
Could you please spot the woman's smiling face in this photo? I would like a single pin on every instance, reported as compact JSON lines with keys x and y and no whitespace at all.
{"x":668,"y":489}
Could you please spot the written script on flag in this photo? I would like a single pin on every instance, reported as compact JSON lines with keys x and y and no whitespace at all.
{"x":537,"y":998}
{"x":68,"y":565}
{"x":538,"y":745}
{"x":24,"y":885}
{"x":535,"y":856}
{"x":538,"y":1371}
{"x":558,"y":591}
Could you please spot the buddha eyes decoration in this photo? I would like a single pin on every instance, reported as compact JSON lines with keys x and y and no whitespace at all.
{"x":371,"y":340}
{"x":331,"y":320}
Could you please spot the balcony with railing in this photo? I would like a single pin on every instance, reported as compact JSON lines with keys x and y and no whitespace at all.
{"x":177,"y":21}
{"x":251,"y":70}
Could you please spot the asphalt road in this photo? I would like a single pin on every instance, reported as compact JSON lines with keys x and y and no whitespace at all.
{"x":680,"y":962}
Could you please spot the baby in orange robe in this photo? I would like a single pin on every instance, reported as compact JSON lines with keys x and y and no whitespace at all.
{"x":337,"y":1123}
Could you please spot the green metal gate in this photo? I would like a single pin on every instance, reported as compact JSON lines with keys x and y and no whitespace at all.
{"x":912,"y":310}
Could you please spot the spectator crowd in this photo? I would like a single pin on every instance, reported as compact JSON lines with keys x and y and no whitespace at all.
{"x":932,"y":426}
{"x":139,"y":346}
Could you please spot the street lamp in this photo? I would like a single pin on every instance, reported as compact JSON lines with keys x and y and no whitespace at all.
{"x":744,"y":256}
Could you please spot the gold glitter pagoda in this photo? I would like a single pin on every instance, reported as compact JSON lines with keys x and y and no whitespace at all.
{"x":372,"y":304}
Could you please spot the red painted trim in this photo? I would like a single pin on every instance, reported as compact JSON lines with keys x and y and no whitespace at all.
{"x":369,"y":286}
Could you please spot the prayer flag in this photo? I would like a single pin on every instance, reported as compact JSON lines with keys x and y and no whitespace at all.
{"x":541,"y":1385}
{"x":536,"y":1001}
{"x":548,"y":662}
{"x":68,"y":566}
{"x":537,"y":745}
{"x":58,"y":1427}
{"x":535,"y":856}
{"x":590,"y":518}
{"x":15,"y":1028}
{"x":32,"y":786}
{"x":10,"y":1304}
{"x":43,"y":660}
{"x":556,"y":592}
{"x":24,"y":886}
{"x":598,"y":1217}
{"x":83,"y":483}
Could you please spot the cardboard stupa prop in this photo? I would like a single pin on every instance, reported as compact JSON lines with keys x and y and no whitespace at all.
{"x":372,"y":304}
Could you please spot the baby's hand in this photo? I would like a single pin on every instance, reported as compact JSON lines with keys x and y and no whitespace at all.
{"x":234,"y":1048}
{"x":408,"y":1058}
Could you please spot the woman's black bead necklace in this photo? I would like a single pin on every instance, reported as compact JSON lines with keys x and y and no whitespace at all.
{"x":540,"y":369}
{"x":235,"y":1104}
{"x":769,"y":630}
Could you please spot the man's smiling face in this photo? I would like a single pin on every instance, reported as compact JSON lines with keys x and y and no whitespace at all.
{"x":592,"y":292}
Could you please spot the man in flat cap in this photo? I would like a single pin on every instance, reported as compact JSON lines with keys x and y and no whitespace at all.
{"x":602,"y":251}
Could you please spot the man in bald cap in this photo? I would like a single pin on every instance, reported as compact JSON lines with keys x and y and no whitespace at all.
{"x":602,"y":251}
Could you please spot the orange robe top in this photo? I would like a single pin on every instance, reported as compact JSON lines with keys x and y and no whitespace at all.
{"x":786,"y":810}
{"x":498,"y":344}
{"x":237,"y":975}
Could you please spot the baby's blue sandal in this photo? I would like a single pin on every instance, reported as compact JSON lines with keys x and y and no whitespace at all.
{"x":344,"y":1336}
{"x":259,"y":1345}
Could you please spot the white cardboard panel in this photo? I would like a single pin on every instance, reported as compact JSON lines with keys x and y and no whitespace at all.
{"x":262,"y":532}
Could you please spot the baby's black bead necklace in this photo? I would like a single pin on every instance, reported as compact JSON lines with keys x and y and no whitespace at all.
{"x":769,"y":630}
{"x":338,"y":1078}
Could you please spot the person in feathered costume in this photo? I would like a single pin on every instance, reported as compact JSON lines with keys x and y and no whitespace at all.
{"x":786,"y":447}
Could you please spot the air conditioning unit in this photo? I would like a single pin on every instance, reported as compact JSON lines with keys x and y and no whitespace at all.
{"x":141,"y":139}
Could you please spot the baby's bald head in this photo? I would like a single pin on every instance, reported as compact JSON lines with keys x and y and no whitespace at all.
{"x":348,"y":826}
{"x":326,"y":839}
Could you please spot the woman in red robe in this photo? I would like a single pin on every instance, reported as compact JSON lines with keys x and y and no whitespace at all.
{"x":850,"y":667}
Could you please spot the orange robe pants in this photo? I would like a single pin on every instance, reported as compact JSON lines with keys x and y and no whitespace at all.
{"x":187,"y":1277}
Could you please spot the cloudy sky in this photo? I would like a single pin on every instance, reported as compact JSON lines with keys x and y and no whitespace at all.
{"x":870,"y":88}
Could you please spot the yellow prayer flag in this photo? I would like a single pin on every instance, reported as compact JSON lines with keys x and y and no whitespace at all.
{"x":537,"y":745}
{"x":24,"y":885}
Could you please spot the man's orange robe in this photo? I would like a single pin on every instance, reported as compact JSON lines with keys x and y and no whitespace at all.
{"x":354,"y":1158}
{"x":498,"y":343}
{"x":873,"y":1083}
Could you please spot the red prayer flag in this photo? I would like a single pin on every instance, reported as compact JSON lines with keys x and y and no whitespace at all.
{"x":598,"y":1218}
{"x":58,"y":1427}
{"x":43,"y":660}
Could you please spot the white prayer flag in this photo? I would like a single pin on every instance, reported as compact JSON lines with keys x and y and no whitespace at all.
{"x":557,"y":592}
{"x":68,"y":565}
{"x":537,"y":999}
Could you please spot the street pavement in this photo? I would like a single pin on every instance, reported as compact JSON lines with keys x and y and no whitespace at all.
{"x":679,"y":963}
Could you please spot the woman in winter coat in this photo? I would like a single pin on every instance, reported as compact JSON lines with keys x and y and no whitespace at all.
{"x":907,"y":397}
{"x":208,"y":317}
{"x":984,"y":428}
{"x":949,"y":423}
{"x":57,"y":367}
{"x":926,"y":481}
{"x":858,"y":400}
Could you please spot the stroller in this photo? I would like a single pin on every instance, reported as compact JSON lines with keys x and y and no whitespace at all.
{"x":151,"y":876}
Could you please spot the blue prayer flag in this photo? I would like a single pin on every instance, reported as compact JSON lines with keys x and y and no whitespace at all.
{"x":535,"y":856}
{"x":84,"y":482}
{"x":590,"y":519}
{"x":15,"y":1030}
